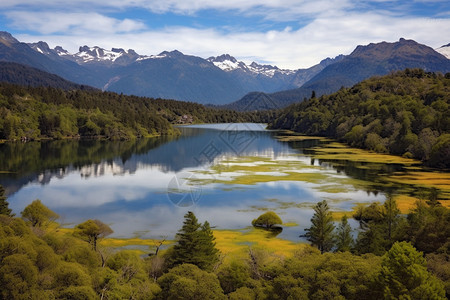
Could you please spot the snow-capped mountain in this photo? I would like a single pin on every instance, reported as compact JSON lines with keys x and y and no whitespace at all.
{"x":228,"y":63}
{"x":93,"y":55}
{"x":444,"y":50}
{"x":98,"y":55}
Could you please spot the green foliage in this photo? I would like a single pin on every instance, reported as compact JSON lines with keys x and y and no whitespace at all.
{"x":400,"y":113}
{"x":38,"y":214}
{"x":404,"y":275}
{"x":77,"y":293}
{"x":344,"y":239}
{"x":18,"y":277}
{"x":382,"y":225}
{"x":30,"y":113}
{"x":187,"y":281}
{"x":4,"y":209}
{"x":195,"y":244}
{"x":233,"y":276}
{"x":320,"y":233}
{"x":54,"y":265}
{"x":267,"y":220}
{"x":310,"y":275}
{"x":91,"y":231}
{"x":429,"y":227}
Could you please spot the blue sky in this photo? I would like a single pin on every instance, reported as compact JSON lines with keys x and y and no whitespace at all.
{"x":287,"y":33}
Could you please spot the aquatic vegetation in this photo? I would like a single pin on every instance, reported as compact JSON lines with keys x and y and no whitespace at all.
{"x":236,"y":243}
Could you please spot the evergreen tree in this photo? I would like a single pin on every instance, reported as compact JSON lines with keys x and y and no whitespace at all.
{"x":320,"y":233}
{"x":390,"y":215}
{"x":404,"y":275}
{"x":4,"y":209}
{"x":207,"y":247}
{"x":344,"y":239}
{"x":195,"y":244}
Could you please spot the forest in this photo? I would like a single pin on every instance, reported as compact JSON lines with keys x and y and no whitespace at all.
{"x":393,"y":257}
{"x":31,"y":113}
{"x":405,"y":113}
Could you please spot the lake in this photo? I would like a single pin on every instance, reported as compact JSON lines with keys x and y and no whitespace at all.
{"x":227,"y":174}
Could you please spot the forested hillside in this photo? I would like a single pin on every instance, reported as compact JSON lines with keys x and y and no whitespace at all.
{"x":28,"y":76}
{"x":405,"y":113}
{"x":29,"y":113}
{"x":40,"y":260}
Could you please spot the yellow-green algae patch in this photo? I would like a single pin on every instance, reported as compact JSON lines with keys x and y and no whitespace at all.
{"x":233,"y":243}
{"x":405,"y":203}
{"x":236,"y":243}
{"x":338,"y":151}
{"x":438,"y":180}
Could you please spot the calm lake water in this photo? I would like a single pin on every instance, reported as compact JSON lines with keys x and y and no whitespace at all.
{"x":227,"y":174}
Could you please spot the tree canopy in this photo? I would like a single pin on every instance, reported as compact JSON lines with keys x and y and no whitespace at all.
{"x":91,"y":231}
{"x":267,"y":220}
{"x":4,"y":205}
{"x":38,"y":214}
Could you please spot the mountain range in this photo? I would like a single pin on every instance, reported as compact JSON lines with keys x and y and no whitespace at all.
{"x":364,"y":62}
{"x":223,"y":79}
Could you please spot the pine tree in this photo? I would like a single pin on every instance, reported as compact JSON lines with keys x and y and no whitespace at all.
{"x":344,"y":239}
{"x":4,"y":209}
{"x":404,"y":275}
{"x":390,"y":215}
{"x":320,"y":233}
{"x":195,"y":244}
{"x":209,"y":254}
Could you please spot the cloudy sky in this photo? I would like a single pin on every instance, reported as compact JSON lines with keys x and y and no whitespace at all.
{"x":287,"y":33}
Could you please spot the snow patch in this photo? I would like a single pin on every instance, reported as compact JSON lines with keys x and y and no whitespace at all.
{"x":444,"y":50}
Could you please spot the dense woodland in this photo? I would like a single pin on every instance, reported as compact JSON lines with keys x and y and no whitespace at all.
{"x":30,"y":113}
{"x":393,"y":257}
{"x":406,"y":113}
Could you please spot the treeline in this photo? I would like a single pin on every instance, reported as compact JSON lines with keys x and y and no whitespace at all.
{"x":405,"y":113}
{"x":39,"y":261}
{"x":30,"y":113}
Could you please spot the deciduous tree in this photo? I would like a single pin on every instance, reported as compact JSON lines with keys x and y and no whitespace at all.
{"x":91,"y":231}
{"x":267,"y":220}
{"x":38,"y":214}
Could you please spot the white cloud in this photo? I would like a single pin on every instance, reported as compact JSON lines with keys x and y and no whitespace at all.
{"x":323,"y":37}
{"x":71,"y":23}
{"x":332,"y":27}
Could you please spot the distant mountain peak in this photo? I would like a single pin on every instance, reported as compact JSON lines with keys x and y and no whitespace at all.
{"x":223,"y":57}
{"x":385,"y":50}
{"x":173,"y":53}
{"x":6,"y":37}
{"x":41,"y":47}
{"x":61,"y":51}
{"x":228,"y":63}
